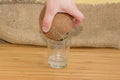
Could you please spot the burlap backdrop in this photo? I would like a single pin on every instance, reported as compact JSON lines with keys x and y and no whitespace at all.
{"x":19,"y":24}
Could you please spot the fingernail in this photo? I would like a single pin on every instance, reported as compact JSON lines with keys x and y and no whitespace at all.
{"x":45,"y":29}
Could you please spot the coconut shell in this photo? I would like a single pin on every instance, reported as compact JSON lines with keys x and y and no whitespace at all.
{"x":61,"y":26}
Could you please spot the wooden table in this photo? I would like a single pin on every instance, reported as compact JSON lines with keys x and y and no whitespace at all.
{"x":21,"y":62}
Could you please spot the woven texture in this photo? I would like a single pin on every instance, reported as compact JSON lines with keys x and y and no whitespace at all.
{"x":19,"y":24}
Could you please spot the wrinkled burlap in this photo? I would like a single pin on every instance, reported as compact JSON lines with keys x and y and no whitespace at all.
{"x":19,"y":24}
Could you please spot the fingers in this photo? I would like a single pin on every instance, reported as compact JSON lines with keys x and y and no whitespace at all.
{"x":76,"y":23}
{"x":78,"y":16}
{"x":47,"y":21}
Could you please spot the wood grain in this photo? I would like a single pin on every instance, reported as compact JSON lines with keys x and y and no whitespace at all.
{"x":21,"y":62}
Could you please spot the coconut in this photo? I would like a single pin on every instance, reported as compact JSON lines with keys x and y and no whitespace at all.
{"x":61,"y":27}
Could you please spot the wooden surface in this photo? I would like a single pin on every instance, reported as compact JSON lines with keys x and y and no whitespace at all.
{"x":19,"y":62}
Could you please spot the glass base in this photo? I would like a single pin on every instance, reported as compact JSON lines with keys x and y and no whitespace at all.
{"x":57,"y":61}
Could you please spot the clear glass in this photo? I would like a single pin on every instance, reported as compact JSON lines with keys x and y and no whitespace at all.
{"x":58,"y":53}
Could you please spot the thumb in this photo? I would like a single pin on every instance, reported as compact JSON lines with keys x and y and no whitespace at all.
{"x":47,"y":21}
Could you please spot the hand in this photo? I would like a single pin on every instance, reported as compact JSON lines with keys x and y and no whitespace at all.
{"x":65,"y":6}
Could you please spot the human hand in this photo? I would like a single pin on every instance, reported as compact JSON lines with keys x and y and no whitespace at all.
{"x":65,"y":6}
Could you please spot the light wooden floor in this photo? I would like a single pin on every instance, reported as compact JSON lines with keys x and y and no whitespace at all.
{"x":19,"y":62}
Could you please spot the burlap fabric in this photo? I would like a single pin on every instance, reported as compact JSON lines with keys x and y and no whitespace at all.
{"x":19,"y":24}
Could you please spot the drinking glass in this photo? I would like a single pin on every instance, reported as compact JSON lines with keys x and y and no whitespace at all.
{"x":58,"y":53}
